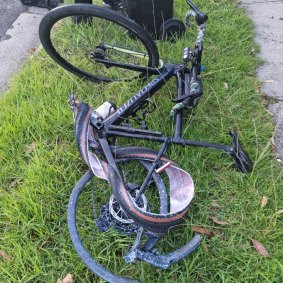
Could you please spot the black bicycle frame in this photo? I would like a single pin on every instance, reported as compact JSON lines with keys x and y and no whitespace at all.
{"x":183,"y":76}
{"x":189,"y":90}
{"x":111,"y":129}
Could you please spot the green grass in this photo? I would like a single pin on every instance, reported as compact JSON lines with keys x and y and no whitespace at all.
{"x":40,"y":164}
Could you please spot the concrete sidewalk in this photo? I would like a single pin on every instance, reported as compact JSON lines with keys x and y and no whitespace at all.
{"x":18,"y":37}
{"x":267,"y":16}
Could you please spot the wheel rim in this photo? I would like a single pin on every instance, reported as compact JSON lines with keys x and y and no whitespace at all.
{"x":86,"y":43}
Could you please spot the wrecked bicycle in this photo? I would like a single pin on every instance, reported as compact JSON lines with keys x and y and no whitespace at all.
{"x":150,"y":193}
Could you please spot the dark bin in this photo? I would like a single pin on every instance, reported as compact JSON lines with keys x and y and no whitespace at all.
{"x":84,"y":1}
{"x":151,"y":14}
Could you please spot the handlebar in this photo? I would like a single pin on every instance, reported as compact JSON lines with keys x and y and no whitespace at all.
{"x":193,"y":6}
{"x":201,"y":18}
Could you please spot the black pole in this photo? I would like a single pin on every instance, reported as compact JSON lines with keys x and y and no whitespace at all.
{"x":84,"y":1}
{"x":179,"y":115}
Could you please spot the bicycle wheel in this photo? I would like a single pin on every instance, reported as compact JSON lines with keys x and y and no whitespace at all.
{"x":96,"y":43}
{"x":73,"y":226}
{"x":168,"y":206}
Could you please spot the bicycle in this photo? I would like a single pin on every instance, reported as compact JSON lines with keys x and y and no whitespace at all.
{"x":140,"y":202}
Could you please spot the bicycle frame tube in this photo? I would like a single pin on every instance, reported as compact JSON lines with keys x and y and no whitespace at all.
{"x":164,"y":72}
{"x":179,"y":141}
{"x":167,"y":72}
{"x":148,"y":70}
{"x":193,"y":6}
{"x":179,"y":115}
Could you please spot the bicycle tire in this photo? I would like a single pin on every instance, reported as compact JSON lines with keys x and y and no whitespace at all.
{"x":123,"y":156}
{"x":74,"y":37}
{"x":92,"y":264}
{"x":180,"y":184}
{"x":150,"y":220}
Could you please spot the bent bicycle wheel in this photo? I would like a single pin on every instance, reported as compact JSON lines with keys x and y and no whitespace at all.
{"x":75,"y":227}
{"x":179,"y":184}
{"x":111,"y":214}
{"x":96,"y":43}
{"x":168,"y":207}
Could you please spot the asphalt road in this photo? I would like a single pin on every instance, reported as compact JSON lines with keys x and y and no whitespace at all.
{"x":18,"y":36}
{"x":9,"y":11}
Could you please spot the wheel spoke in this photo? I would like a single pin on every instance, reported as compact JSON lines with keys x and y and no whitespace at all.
{"x":70,"y":34}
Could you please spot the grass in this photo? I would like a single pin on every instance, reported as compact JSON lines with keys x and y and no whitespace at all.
{"x":40,"y":164}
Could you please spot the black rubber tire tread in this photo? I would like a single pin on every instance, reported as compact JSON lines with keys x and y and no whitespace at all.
{"x":175,"y":23}
{"x":77,"y":242}
{"x":86,"y":9}
{"x":133,"y":151}
{"x":156,"y":222}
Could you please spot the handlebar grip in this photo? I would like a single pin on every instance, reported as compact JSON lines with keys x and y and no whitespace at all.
{"x":201,"y":18}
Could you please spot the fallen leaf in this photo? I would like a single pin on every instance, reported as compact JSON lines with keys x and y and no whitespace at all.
{"x":173,"y":278}
{"x":279,"y":212}
{"x":67,"y":279}
{"x":217,"y":232}
{"x":215,"y":204}
{"x":226,"y":86}
{"x":31,"y":50}
{"x":4,"y":256}
{"x":267,"y":81}
{"x":202,"y":231}
{"x":217,"y":221}
{"x":260,"y":248}
{"x":205,"y":247}
{"x":31,"y":148}
{"x":263,"y":201}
